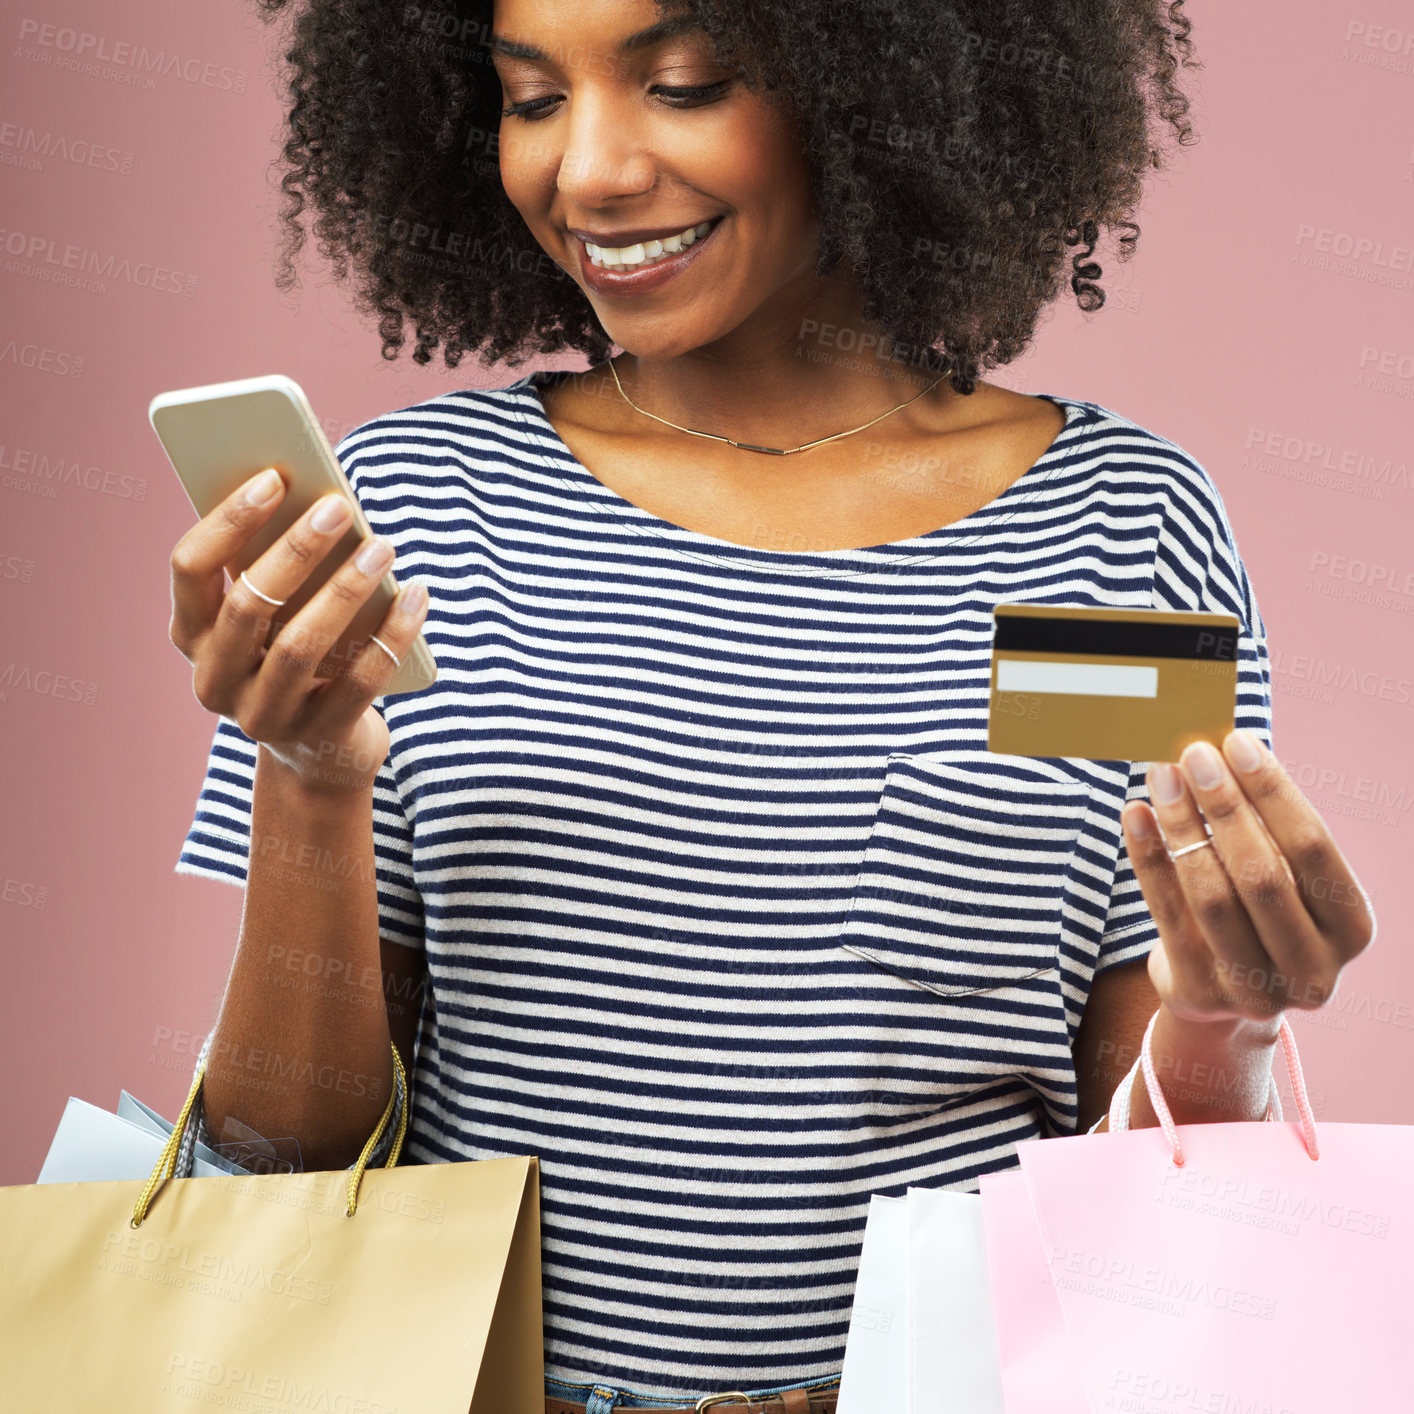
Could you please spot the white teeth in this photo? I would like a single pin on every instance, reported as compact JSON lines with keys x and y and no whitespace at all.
{"x":645,"y":252}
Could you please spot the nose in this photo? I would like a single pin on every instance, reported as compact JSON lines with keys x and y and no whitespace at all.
{"x":604,"y":155}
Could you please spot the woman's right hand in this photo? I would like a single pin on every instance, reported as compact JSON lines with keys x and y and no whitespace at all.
{"x":324,"y":730}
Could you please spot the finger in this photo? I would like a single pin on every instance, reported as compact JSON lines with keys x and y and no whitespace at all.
{"x":290,"y":672}
{"x":310,"y":636}
{"x":237,"y":649}
{"x":1186,"y":961}
{"x":200,"y":556}
{"x":343,"y":698}
{"x":1304,"y":965}
{"x":1229,"y":939}
{"x":1330,"y":894}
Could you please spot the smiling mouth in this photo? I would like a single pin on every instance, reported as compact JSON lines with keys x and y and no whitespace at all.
{"x":645,"y":254}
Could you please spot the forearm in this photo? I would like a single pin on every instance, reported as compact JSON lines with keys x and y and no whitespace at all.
{"x":1209,"y":1072}
{"x":302,"y":1044}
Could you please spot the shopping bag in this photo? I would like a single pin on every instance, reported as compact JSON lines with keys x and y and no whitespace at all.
{"x":91,"y":1144}
{"x":1038,"y":1370}
{"x":873,"y":1377}
{"x":407,"y":1288}
{"x":239,"y":1150}
{"x":952,"y":1342}
{"x":1228,"y":1265}
{"x":921,"y":1338}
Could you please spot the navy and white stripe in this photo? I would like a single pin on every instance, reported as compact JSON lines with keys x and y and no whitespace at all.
{"x":729,"y":914}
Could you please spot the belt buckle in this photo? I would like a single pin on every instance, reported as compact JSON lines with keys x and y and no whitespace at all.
{"x":721,"y":1399}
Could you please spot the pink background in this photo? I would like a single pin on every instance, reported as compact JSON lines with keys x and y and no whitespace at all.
{"x":1266,"y":326}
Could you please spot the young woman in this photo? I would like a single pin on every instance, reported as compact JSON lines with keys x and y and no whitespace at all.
{"x":692,"y":873}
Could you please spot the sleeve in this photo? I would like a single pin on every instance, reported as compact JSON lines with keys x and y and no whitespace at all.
{"x":1197,"y":567}
{"x":217,"y":845}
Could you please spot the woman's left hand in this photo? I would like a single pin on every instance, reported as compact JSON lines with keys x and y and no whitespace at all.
{"x":1263,"y":919}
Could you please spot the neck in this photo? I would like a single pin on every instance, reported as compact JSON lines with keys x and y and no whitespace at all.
{"x":782,"y":378}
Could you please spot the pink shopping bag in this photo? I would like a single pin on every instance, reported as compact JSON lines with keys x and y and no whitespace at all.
{"x":1212,"y":1267}
{"x":1039,"y":1370}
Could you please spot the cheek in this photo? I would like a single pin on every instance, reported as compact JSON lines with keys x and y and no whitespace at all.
{"x":768,"y":168}
{"x":528,"y":168}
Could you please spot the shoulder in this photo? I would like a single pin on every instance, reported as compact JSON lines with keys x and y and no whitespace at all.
{"x":1198,"y":562}
{"x":1137,"y":458}
{"x":1143,"y":451}
{"x":456,"y":432}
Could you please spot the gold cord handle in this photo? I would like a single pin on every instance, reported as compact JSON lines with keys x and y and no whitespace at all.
{"x":400,"y":1078}
{"x":167,"y":1161}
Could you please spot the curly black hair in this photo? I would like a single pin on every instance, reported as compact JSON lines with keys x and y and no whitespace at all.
{"x":957,"y":148}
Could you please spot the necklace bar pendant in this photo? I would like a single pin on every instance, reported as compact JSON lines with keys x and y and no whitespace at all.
{"x":748,"y":447}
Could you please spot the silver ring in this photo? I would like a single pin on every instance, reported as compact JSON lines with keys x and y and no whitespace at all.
{"x":257,"y":593}
{"x":386,"y":649}
{"x":1188,"y":848}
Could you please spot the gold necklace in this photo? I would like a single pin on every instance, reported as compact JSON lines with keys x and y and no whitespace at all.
{"x":774,"y":451}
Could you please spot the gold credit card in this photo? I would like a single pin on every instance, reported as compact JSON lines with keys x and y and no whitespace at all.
{"x":1110,"y":684}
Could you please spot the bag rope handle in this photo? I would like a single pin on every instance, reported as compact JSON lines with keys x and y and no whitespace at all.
{"x":166,"y":1162}
{"x":1293,"y":1069}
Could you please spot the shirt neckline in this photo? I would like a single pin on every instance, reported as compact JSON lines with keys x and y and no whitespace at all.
{"x":820,"y":564}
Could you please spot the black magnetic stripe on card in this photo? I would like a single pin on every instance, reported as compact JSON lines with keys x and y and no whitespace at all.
{"x":1118,"y":638}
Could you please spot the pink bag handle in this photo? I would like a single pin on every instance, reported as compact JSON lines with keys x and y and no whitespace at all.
{"x":1293,"y":1069}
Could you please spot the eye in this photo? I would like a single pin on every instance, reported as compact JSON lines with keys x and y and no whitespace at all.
{"x":695,"y":94}
{"x":690,"y":96}
{"x":530,"y":109}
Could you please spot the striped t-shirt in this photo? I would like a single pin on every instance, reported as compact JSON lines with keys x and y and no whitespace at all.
{"x":662,"y":790}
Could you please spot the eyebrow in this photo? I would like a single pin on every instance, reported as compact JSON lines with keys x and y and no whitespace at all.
{"x":669,"y":28}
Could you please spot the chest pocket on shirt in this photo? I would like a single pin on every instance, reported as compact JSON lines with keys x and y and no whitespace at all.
{"x":960,"y":897}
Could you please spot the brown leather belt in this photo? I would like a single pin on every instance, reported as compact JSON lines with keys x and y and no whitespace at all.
{"x":818,"y":1400}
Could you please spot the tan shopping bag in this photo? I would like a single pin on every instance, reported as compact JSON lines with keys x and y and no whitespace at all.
{"x":412,"y":1289}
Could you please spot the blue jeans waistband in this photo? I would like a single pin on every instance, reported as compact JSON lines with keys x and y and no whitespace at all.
{"x":600,"y":1397}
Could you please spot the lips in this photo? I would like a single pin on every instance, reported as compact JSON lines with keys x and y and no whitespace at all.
{"x":618,"y":239}
{"x":642,"y":279}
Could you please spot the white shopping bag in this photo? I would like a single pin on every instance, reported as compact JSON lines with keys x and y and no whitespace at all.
{"x":145,"y":1117}
{"x":91,"y":1145}
{"x":921,"y":1334}
{"x":952,"y":1357}
{"x":873,"y":1378}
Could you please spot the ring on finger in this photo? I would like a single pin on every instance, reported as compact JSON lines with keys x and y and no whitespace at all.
{"x":1188,"y":848}
{"x":246,"y":581}
{"x":386,"y":649}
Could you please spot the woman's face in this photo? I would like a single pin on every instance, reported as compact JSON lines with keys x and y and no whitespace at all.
{"x":608,"y":146}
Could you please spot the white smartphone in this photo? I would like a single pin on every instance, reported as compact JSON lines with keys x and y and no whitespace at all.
{"x":219,"y":435}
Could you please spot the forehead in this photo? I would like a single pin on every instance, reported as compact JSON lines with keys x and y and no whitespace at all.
{"x":535,"y":30}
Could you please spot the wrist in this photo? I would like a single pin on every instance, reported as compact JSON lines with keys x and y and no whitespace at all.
{"x":1187,"y":1057}
{"x":1208,"y":1071}
{"x":308,"y":782}
{"x":1226,"y":1030}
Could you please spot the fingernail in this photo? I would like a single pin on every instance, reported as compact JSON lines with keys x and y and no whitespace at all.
{"x":1245,"y":751}
{"x":261,"y":489}
{"x":1140,"y":823}
{"x":1203,"y":765}
{"x":1165,"y":786}
{"x":333,"y":512}
{"x":411,"y":600}
{"x":377,"y":553}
